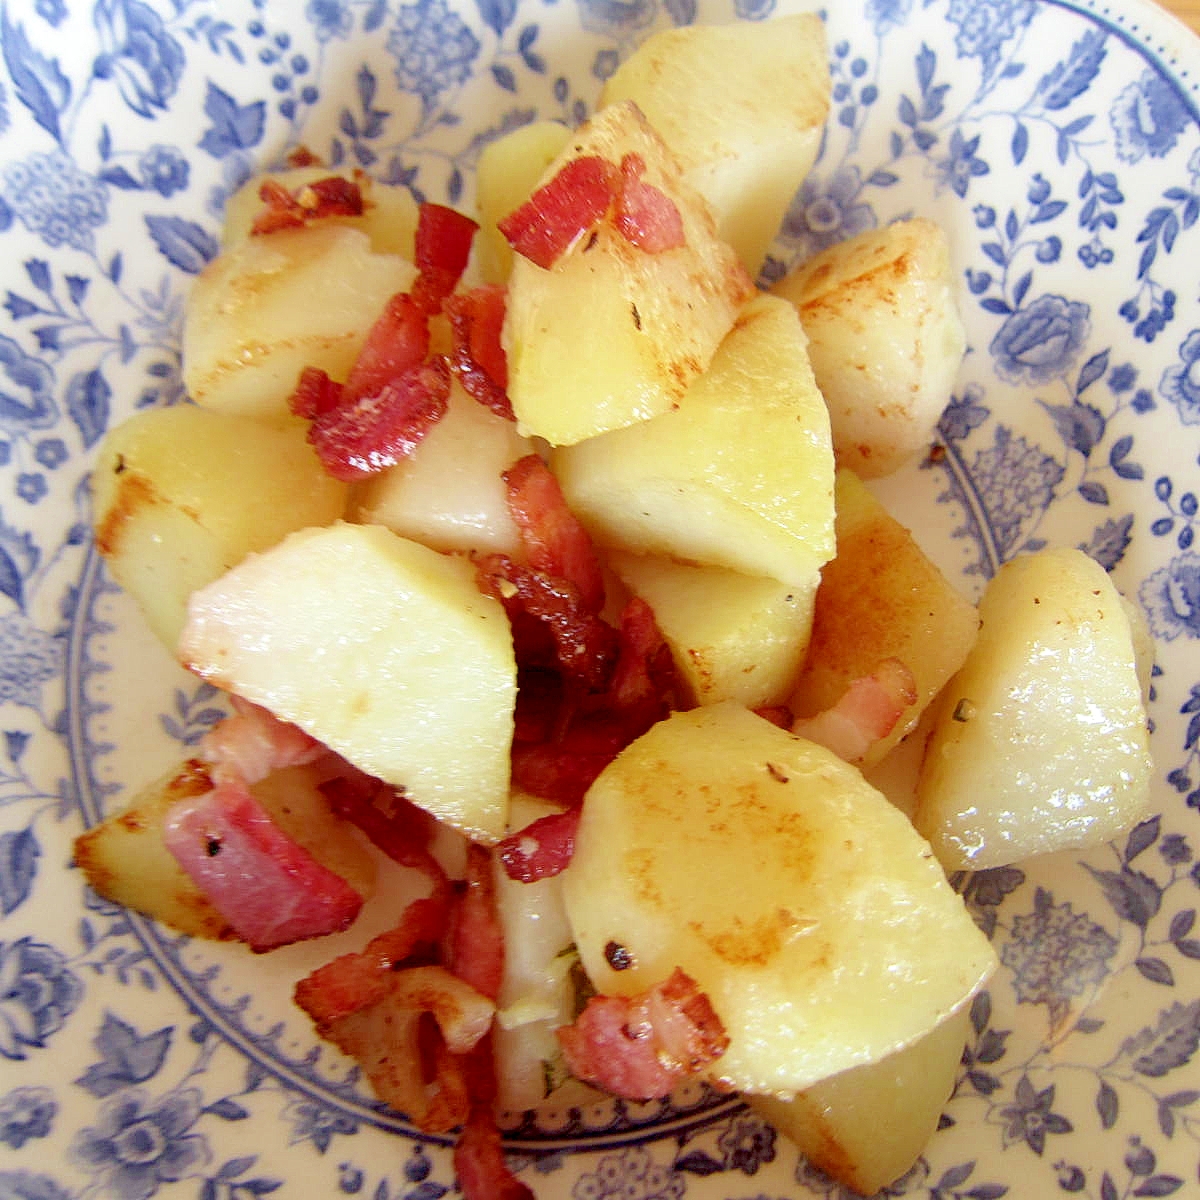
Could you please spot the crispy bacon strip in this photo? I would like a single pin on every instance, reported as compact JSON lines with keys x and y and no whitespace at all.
{"x":543,"y":848}
{"x":475,"y":939}
{"x":315,"y":394}
{"x":330,"y":197}
{"x":253,"y":742}
{"x":370,"y":433}
{"x":384,"y":1035}
{"x":561,"y":211}
{"x":640,"y":1047}
{"x":267,"y":886}
{"x":477,"y":358}
{"x":441,"y":249}
{"x":866,"y":712}
{"x":553,"y":539}
{"x":483,"y":1173}
{"x":397,"y":342}
{"x":645,"y":216}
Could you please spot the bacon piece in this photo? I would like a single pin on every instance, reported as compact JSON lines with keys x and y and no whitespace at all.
{"x":543,"y":848}
{"x":478,"y":358}
{"x":562,"y":210}
{"x":475,"y":938}
{"x":645,"y":216}
{"x":778,"y":714}
{"x":396,"y":343}
{"x":315,"y":394}
{"x":302,"y":156}
{"x":554,"y":772}
{"x":644,"y":682}
{"x":479,"y":1163}
{"x":329,"y":197}
{"x":267,"y":886}
{"x":865,"y":713}
{"x":373,"y":432}
{"x":441,"y":249}
{"x":253,"y":742}
{"x":640,"y":1047}
{"x":384,"y":1035}
{"x":585,"y":646}
{"x":553,"y":539}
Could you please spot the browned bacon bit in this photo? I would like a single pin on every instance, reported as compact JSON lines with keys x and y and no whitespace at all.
{"x":329,"y":197}
{"x":384,"y":1035}
{"x":479,"y":1164}
{"x":777,"y":714}
{"x":640,"y":1047}
{"x":864,"y":714}
{"x":397,"y":342}
{"x":645,"y":682}
{"x":302,"y":156}
{"x":315,"y":394}
{"x":559,"y":212}
{"x":553,"y":771}
{"x":475,"y":939}
{"x":478,"y":358}
{"x":553,"y":539}
{"x":543,"y":848}
{"x":441,"y":249}
{"x":372,"y":432}
{"x":645,"y":215}
{"x":585,"y":645}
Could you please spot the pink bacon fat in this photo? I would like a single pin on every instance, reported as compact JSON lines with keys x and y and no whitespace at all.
{"x":267,"y":886}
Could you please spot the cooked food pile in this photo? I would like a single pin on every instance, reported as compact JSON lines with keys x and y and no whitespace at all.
{"x":533,"y":551}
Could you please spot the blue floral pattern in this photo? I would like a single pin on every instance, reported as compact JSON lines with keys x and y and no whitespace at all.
{"x":1058,"y":144}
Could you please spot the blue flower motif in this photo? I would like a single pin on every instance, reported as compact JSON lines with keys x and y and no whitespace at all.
{"x":961,"y":165}
{"x":51,"y":453}
{"x":25,"y":1185}
{"x":55,"y":199}
{"x":823,"y":214}
{"x":31,"y":486}
{"x":138,"y":53}
{"x":1147,"y":117}
{"x":1055,"y":953}
{"x":54,"y":11}
{"x":26,"y":402}
{"x":616,"y":18}
{"x":315,"y":1122}
{"x":1171,"y":598}
{"x":29,"y":657}
{"x":1181,"y":383}
{"x":136,"y":1146}
{"x":985,"y":25}
{"x":26,"y":1113}
{"x":1017,"y":481}
{"x":1031,"y":1118}
{"x":887,"y":14}
{"x":38,"y":992}
{"x":747,"y":1144}
{"x":629,"y":1175}
{"x":330,"y":18}
{"x":1040,"y":342}
{"x":433,"y":47}
{"x":605,"y":64}
{"x":164,"y":170}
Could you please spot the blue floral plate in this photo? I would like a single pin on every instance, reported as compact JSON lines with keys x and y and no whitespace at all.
{"x":1058,"y":141}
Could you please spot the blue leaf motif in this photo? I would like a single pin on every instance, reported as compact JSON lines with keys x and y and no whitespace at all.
{"x":1134,"y":897}
{"x":683,"y":12}
{"x":88,"y":396}
{"x":125,"y":1057}
{"x":1020,"y":143}
{"x":497,"y":14}
{"x":234,"y":126}
{"x":1156,"y":971}
{"x":121,"y":178}
{"x":37,"y":80}
{"x":1110,"y":541}
{"x":1107,"y":1105}
{"x":25,"y":1185}
{"x":504,"y":77}
{"x":926,"y":66}
{"x":1079,"y":425}
{"x":1093,"y":492}
{"x":12,"y":583}
{"x":185,"y":244}
{"x":698,"y":1163}
{"x":1072,"y":78}
{"x":19,"y":852}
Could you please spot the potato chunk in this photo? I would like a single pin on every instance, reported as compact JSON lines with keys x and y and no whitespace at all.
{"x":740,"y":475}
{"x":881,"y":597}
{"x":125,"y":859}
{"x":731,"y":636}
{"x":885,"y":339}
{"x":867,"y":1126}
{"x":271,"y":306}
{"x":816,"y":920}
{"x":1040,"y":742}
{"x":382,"y":649}
{"x":612,"y":334}
{"x":743,"y":108}
{"x":182,"y":494}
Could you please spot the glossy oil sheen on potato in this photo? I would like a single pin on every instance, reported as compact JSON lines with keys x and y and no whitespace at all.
{"x":817,"y":921}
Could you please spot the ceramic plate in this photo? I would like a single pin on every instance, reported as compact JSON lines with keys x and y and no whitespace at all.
{"x":1059,"y":145}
